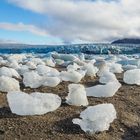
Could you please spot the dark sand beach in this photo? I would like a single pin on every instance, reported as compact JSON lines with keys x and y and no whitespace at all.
{"x":58,"y":125}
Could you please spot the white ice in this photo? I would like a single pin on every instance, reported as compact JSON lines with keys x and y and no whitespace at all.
{"x":77,"y":95}
{"x":96,"y":118}
{"x":36,"y":103}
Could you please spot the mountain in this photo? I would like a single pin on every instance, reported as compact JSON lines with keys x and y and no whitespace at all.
{"x":127,"y":41}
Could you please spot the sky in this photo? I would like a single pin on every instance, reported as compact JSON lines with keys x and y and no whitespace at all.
{"x":68,"y":21}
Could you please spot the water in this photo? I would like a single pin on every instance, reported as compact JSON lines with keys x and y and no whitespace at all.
{"x":81,"y":48}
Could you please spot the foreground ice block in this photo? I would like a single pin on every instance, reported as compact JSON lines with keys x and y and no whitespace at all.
{"x":77,"y":95}
{"x":8,"y":84}
{"x":107,"y":90}
{"x":132,"y":77}
{"x":96,"y":118}
{"x":36,"y":103}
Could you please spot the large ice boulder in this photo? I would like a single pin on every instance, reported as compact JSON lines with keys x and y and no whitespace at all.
{"x":96,"y":118}
{"x":132,"y":77}
{"x":32,"y":79}
{"x":10,"y":72}
{"x":77,"y":95}
{"x":107,"y":77}
{"x":8,"y":84}
{"x":36,"y":103}
{"x":72,"y":76}
{"x":51,"y":81}
{"x":107,"y":90}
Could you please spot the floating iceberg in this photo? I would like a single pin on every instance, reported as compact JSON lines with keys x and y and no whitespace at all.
{"x":107,"y":90}
{"x":77,"y":95}
{"x":96,"y":118}
{"x":36,"y":103}
{"x":132,"y":77}
{"x":8,"y":84}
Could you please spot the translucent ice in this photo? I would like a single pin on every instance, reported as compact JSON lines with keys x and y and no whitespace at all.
{"x":107,"y":90}
{"x":33,"y":104}
{"x":132,"y":77}
{"x":77,"y":95}
{"x":8,"y":84}
{"x":96,"y":118}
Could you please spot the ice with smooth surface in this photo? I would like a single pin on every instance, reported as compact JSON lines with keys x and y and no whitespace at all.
{"x":72,"y":76}
{"x":96,"y":118}
{"x":33,"y":104}
{"x":107,"y":77}
{"x":132,"y":77}
{"x":115,"y":68}
{"x":8,"y":84}
{"x":32,"y":79}
{"x":107,"y":90}
{"x":77,"y":95}
{"x":51,"y":81}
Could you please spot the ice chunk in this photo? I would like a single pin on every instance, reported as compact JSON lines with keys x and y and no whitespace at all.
{"x":96,"y":118}
{"x":10,"y":72}
{"x":90,"y":69}
{"x":33,"y":104}
{"x":42,"y":69}
{"x":107,"y":77}
{"x":49,"y":62}
{"x":77,"y":95}
{"x":73,"y":67}
{"x":72,"y":76}
{"x":31,"y":65}
{"x":107,"y":90}
{"x":132,"y":77}
{"x":51,"y":81}
{"x":32,"y":79}
{"x":129,"y":67}
{"x":8,"y":84}
{"x":115,"y":68}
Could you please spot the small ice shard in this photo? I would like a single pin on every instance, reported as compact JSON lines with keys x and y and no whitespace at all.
{"x":90,"y":70}
{"x":107,"y":77}
{"x":107,"y":90}
{"x":77,"y":95}
{"x":51,"y":81}
{"x":32,"y":79}
{"x":115,"y":68}
{"x":132,"y":77}
{"x":8,"y":84}
{"x":72,"y":76}
{"x":96,"y":118}
{"x":10,"y":72}
{"x":36,"y":103}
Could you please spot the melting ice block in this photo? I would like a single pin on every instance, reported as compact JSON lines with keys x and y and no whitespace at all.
{"x":96,"y":118}
{"x":72,"y":76}
{"x":51,"y":81}
{"x":77,"y":95}
{"x":8,"y":84}
{"x":107,"y":77}
{"x":33,"y":104}
{"x":32,"y":79}
{"x":132,"y":77}
{"x":107,"y":90}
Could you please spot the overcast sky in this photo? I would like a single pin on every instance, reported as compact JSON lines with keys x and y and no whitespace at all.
{"x":69,"y":21}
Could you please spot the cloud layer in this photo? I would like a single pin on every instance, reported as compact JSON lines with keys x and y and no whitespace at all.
{"x":87,"y":20}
